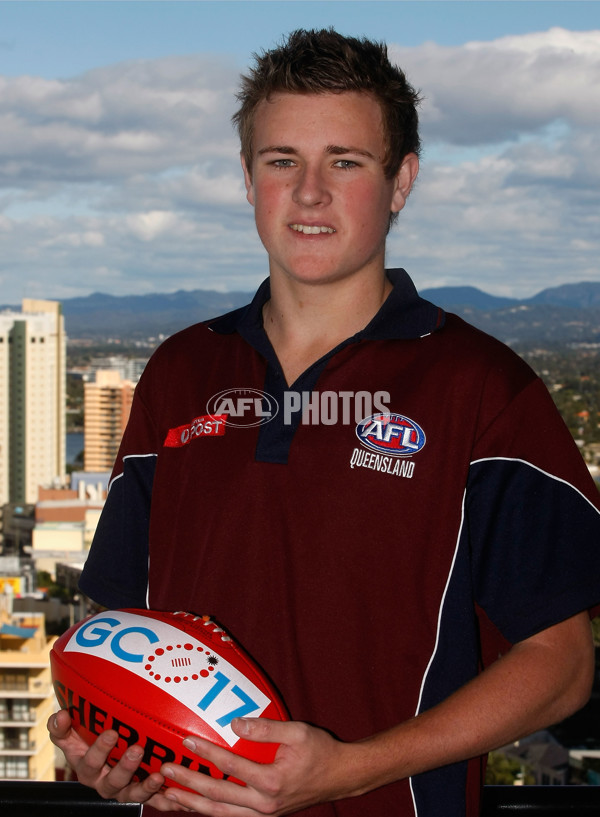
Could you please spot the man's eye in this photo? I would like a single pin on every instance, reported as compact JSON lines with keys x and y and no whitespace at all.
{"x":346,"y":164}
{"x":283,"y":163}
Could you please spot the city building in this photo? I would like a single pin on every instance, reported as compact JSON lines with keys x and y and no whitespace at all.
{"x":32,"y":399}
{"x":542,"y":759}
{"x":26,"y":696}
{"x":17,"y":576}
{"x":129,"y":368}
{"x":16,"y":525}
{"x":66,"y":520}
{"x":107,"y":403}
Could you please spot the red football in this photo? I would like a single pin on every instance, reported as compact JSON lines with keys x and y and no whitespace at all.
{"x":155,"y":678}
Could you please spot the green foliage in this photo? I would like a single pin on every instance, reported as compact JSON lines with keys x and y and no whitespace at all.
{"x":505,"y":771}
{"x":46,"y":582}
{"x":572,"y":374}
{"x":74,"y":403}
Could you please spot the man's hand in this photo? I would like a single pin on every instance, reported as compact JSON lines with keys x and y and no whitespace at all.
{"x":539,"y":681}
{"x":310,"y":767}
{"x":89,"y":764}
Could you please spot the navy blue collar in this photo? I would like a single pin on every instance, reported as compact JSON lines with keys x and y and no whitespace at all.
{"x":404,"y":315}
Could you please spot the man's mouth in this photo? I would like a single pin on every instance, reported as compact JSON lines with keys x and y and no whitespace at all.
{"x":311,"y":229}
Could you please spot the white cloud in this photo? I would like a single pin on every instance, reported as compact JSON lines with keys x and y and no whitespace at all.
{"x":494,"y":91}
{"x":127,"y":178}
{"x":86,"y":238}
{"x":517,"y":208}
{"x":148,"y":226}
{"x":141,"y":116}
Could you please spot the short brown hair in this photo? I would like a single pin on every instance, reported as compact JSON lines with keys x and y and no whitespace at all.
{"x":324,"y":61}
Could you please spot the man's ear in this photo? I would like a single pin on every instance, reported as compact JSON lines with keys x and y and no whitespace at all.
{"x":247,"y":181}
{"x":404,"y":180}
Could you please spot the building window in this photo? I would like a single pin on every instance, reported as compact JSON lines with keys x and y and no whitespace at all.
{"x":14,"y":768}
{"x":12,"y":680}
{"x":20,"y":710}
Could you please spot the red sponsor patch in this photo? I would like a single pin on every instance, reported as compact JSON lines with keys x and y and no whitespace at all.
{"x":207,"y":425}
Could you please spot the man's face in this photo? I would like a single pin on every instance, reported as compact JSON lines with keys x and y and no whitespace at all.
{"x":321,"y":199}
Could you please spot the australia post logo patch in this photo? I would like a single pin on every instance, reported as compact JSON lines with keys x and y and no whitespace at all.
{"x":391,"y":434}
{"x":205,"y":426}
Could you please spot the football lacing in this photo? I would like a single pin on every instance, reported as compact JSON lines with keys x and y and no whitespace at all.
{"x":206,"y":620}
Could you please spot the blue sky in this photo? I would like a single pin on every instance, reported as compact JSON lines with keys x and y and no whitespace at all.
{"x":60,"y":39}
{"x":119,"y":169}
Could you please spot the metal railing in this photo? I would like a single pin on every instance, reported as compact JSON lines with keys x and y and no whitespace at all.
{"x":28,"y":799}
{"x":541,"y":801}
{"x":10,"y":716}
{"x":20,"y":744}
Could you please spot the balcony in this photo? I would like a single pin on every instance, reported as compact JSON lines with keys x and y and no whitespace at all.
{"x":14,"y":685}
{"x":40,"y":691}
{"x":28,"y":799}
{"x":19,"y":745}
{"x":15,"y":719}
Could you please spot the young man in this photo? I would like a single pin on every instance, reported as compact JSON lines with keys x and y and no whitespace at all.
{"x":414,"y":575}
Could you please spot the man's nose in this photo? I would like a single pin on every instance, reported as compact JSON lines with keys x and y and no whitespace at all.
{"x":311,"y":188}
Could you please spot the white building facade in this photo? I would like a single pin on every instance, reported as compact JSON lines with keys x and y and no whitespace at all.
{"x":32,"y":400}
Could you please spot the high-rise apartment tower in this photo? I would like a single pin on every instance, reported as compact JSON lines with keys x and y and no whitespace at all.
{"x":32,"y":399}
{"x":26,"y":697}
{"x":107,"y":403}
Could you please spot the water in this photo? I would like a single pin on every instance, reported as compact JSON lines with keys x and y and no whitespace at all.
{"x":74,"y":446}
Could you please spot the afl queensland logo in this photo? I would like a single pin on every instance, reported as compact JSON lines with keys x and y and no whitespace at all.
{"x":391,"y":434}
{"x":243,"y":407}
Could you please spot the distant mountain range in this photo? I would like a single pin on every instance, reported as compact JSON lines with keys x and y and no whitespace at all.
{"x":570,"y":312}
{"x":143,"y":316}
{"x":585,"y":295}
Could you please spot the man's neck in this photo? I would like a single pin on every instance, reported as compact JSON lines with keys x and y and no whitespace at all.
{"x":304,"y":322}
